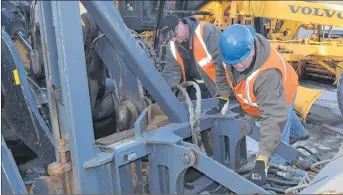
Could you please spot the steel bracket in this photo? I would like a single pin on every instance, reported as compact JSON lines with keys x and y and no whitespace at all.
{"x":99,"y":160}
{"x":161,"y":166}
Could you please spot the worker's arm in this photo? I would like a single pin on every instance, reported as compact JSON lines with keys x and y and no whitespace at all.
{"x":212,"y":39}
{"x":223,"y":87}
{"x":171,"y":71}
{"x":273,"y":108}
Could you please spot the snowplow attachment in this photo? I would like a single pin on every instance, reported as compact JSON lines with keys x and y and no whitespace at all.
{"x":304,"y":100}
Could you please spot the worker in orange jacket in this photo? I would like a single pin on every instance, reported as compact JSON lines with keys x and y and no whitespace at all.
{"x":265,"y":85}
{"x":191,"y":54}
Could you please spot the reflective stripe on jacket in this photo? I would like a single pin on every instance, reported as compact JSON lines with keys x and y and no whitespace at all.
{"x":244,"y":90}
{"x":202,"y":57}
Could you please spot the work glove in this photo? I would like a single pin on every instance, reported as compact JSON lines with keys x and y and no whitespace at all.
{"x":258,"y":174}
{"x":216,"y":110}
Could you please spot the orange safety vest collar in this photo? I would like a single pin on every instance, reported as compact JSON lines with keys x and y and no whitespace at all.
{"x":202,"y":57}
{"x":244,"y":90}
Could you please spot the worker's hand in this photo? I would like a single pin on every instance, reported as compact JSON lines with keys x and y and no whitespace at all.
{"x":216,"y":110}
{"x":258,"y":174}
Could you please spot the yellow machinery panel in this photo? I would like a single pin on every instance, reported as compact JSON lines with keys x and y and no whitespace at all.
{"x":330,"y":49}
{"x":23,"y":54}
{"x":302,"y":11}
{"x":304,"y":100}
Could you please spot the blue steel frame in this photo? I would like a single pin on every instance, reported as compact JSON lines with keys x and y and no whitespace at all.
{"x":11,"y":181}
{"x":65,"y":65}
{"x":111,"y":168}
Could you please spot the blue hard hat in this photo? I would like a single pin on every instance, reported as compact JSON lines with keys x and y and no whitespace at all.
{"x":236,"y":42}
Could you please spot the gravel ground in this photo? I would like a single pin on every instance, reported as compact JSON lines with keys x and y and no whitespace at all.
{"x":324,"y":123}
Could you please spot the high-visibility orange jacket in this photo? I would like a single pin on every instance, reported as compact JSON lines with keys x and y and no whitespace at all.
{"x":202,"y":57}
{"x":264,"y":90}
{"x":244,"y":90}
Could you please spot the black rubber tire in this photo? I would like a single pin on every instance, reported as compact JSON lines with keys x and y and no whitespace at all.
{"x":147,"y":49}
{"x":340,"y":93}
{"x":150,"y":52}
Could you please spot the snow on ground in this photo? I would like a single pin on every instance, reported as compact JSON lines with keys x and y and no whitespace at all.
{"x":324,"y":123}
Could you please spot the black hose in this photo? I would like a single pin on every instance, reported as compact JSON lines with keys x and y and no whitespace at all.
{"x":279,"y":190}
{"x":244,"y":170}
{"x":26,"y":19}
{"x":272,"y":171}
{"x":309,"y":151}
{"x":276,"y":185}
{"x":281,"y":181}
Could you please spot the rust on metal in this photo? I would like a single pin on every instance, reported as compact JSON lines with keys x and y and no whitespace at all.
{"x":65,"y":164}
{"x":156,"y":117}
{"x":194,"y":159}
{"x":54,"y":185}
{"x":63,"y":142}
{"x":145,"y":167}
{"x":115,"y":138}
{"x":62,"y":167}
{"x":134,"y":177}
{"x":58,"y":169}
{"x":63,"y":146}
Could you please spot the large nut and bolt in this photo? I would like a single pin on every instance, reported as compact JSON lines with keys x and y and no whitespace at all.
{"x":185,"y":159}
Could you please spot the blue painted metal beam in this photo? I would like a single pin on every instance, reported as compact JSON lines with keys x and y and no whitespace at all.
{"x":75,"y":118}
{"x":10,"y":173}
{"x":51,"y":68}
{"x":107,"y":17}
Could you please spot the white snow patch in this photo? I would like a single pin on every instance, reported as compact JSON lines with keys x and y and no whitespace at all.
{"x":252,"y":146}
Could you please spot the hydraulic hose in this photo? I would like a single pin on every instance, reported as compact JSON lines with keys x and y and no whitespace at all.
{"x":299,"y":187}
{"x":309,"y":151}
{"x":284,"y":182}
{"x":275,"y":189}
{"x":315,"y":165}
{"x":288,"y":176}
{"x":304,"y":182}
{"x":297,"y":172}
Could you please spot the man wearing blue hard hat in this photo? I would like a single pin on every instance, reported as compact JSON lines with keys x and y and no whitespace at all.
{"x":265,"y":85}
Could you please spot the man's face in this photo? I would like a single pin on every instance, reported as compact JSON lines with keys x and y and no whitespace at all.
{"x":182,"y":33}
{"x":241,"y":66}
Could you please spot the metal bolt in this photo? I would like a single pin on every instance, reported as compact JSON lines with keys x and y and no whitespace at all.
{"x":244,"y":129}
{"x":185,"y":159}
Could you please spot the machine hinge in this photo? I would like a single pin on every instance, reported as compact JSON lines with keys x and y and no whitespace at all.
{"x":63,"y":165}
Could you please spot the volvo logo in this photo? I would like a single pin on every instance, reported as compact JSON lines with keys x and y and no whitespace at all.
{"x":316,"y":11}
